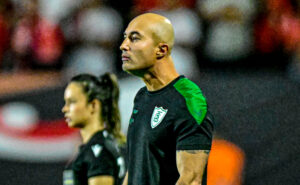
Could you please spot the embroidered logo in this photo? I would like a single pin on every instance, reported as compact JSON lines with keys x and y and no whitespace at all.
{"x":97,"y":149}
{"x":157,"y":116}
{"x":135,"y":111}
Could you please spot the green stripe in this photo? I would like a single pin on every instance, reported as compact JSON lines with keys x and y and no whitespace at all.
{"x":194,"y":98}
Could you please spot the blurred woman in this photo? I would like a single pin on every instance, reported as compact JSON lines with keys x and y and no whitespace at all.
{"x":91,"y":104}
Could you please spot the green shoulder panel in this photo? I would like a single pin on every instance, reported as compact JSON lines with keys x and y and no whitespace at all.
{"x":194,"y":98}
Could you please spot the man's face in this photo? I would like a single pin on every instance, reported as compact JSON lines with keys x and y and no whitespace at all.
{"x":138,"y":47}
{"x":76,"y":109}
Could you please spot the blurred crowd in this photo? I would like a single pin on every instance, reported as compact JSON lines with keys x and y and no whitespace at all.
{"x":76,"y":36}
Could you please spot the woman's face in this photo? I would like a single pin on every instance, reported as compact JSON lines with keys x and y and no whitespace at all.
{"x":77,"y":110}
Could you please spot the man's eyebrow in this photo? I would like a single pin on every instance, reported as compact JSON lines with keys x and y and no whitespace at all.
{"x":132,"y":33}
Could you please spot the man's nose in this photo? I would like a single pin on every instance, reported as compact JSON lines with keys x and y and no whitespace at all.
{"x":124,"y":46}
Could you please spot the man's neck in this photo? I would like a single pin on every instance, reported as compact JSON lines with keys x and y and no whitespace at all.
{"x":160,"y":75}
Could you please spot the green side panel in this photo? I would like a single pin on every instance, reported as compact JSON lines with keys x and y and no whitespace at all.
{"x":194,"y":98}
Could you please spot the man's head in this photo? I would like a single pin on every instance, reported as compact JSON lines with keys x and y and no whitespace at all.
{"x":147,"y":39}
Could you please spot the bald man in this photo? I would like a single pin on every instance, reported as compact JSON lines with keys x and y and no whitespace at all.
{"x":170,"y":130}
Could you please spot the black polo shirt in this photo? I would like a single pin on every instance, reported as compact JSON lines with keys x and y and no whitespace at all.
{"x":172,"y":118}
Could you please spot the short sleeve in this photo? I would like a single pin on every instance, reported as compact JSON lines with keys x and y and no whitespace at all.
{"x":192,"y":136}
{"x":101,"y":164}
{"x":194,"y":123}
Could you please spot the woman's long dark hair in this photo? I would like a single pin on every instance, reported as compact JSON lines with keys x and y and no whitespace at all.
{"x":106,"y":90}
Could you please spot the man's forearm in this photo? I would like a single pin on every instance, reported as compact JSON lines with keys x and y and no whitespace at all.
{"x":191,"y":165}
{"x":188,"y":181}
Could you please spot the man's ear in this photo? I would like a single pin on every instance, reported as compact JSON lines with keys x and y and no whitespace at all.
{"x":162,"y":51}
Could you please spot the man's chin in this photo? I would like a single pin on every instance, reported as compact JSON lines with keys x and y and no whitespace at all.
{"x":126,"y":67}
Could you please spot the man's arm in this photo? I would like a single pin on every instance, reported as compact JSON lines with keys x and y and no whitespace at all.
{"x":125,"y":181}
{"x":191,"y":165}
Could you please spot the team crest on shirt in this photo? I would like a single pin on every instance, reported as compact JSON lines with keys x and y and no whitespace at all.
{"x":157,"y":116}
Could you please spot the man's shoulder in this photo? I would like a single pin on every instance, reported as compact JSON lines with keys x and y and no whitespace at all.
{"x":186,"y":87}
{"x":194,"y":99}
{"x":140,"y":92}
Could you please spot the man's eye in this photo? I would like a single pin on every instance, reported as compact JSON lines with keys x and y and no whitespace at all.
{"x":134,"y":38}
